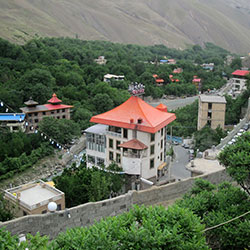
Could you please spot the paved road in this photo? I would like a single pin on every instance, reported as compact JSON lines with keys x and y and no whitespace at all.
{"x":178,"y":170}
{"x":176,"y":103}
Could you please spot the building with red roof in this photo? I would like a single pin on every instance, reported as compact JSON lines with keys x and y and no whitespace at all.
{"x":35,"y":113}
{"x":197,"y":82}
{"x":239,"y":81}
{"x":133,"y":135}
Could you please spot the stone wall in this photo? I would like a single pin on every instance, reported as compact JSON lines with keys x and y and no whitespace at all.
{"x":87,"y":214}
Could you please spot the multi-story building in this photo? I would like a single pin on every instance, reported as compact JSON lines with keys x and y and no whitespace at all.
{"x":14,"y":121}
{"x":109,"y":77}
{"x":134,"y":136}
{"x":239,"y":81}
{"x":35,"y":113}
{"x":211,"y":111}
{"x":34,"y":197}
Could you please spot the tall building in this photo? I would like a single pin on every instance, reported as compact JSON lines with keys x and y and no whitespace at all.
{"x":134,"y":136}
{"x":35,"y":113}
{"x":239,"y":81}
{"x":212,"y":111}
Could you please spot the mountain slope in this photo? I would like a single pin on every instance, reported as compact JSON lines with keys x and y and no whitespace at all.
{"x":174,"y":23}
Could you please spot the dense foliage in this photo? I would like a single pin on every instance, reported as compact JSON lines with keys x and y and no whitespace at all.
{"x":6,"y":209}
{"x":215,"y":205}
{"x":207,"y":137}
{"x":82,"y":184}
{"x":61,"y":130}
{"x":19,"y":151}
{"x":236,"y":159}
{"x":141,"y":228}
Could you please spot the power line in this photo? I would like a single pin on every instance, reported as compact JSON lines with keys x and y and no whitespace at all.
{"x":226,"y":222}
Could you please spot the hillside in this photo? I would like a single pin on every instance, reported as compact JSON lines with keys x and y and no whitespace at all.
{"x":174,"y":23}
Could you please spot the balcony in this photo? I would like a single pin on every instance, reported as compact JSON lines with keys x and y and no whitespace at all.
{"x":114,"y":134}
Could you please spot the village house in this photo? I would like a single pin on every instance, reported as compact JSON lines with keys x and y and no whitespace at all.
{"x":208,"y":66}
{"x":211,"y":112}
{"x":109,"y":77}
{"x":239,"y":80}
{"x":134,"y":136}
{"x":34,"y":197}
{"x":35,"y":113}
{"x":197,"y":82}
{"x":101,"y":60}
{"x":14,"y":121}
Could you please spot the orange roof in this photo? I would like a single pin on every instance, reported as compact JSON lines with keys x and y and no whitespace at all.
{"x":133,"y":144}
{"x":240,"y":72}
{"x":162,"y":107}
{"x":170,"y":76}
{"x":159,"y":80}
{"x":54,"y":99}
{"x":155,"y":76}
{"x":196,"y":80}
{"x":135,"y":114}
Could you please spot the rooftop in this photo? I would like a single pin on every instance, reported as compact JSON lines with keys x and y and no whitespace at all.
{"x":34,"y":194}
{"x":54,"y":99}
{"x":135,"y":114}
{"x":97,"y":129}
{"x":240,"y":72}
{"x":213,"y":98}
{"x":19,"y":117}
{"x":133,"y":144}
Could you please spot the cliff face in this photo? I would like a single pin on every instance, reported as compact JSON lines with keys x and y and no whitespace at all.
{"x":174,"y":23}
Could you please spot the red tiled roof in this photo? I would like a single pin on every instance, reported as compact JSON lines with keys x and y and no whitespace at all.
{"x":58,"y":106}
{"x":127,"y":115}
{"x":54,"y":99}
{"x":240,"y":72}
{"x":170,"y":76}
{"x":159,"y":80}
{"x":133,"y":144}
{"x":196,"y":80}
{"x":162,"y":107}
{"x":155,"y":76}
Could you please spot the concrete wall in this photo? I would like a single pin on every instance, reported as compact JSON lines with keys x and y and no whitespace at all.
{"x":86,"y":214}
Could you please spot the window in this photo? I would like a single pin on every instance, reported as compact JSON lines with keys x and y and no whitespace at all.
{"x":36,"y":120}
{"x":152,"y":137}
{"x":63,"y":110}
{"x":125,"y":133}
{"x":152,"y":164}
{"x":209,"y":105}
{"x":58,"y":111}
{"x":35,"y":114}
{"x":52,"y":112}
{"x":100,"y":161}
{"x":111,"y":156}
{"x":209,"y":115}
{"x":91,"y":159}
{"x":117,"y":145}
{"x":161,"y":143}
{"x":64,"y":116}
{"x":24,"y":213}
{"x":162,"y":132}
{"x":44,"y":113}
{"x":161,"y":156}
{"x":44,"y":211}
{"x":29,"y":115}
{"x":59,"y":207}
{"x":118,"y":158}
{"x":58,"y":117}
{"x":111,"y":143}
{"x":209,"y":123}
{"x":152,"y":149}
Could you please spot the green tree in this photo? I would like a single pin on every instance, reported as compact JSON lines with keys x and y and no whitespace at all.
{"x":216,"y":205}
{"x":6,"y":209}
{"x":236,"y":159}
{"x":61,"y":130}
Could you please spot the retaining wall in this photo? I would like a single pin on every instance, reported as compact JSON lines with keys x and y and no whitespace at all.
{"x":87,"y":214}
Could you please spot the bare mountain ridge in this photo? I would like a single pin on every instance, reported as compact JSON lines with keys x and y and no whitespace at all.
{"x":174,"y":23}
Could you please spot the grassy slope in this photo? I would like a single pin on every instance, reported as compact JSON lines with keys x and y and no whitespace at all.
{"x":171,"y":22}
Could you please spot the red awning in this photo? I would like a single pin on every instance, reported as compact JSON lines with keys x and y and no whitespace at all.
{"x":133,"y":144}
